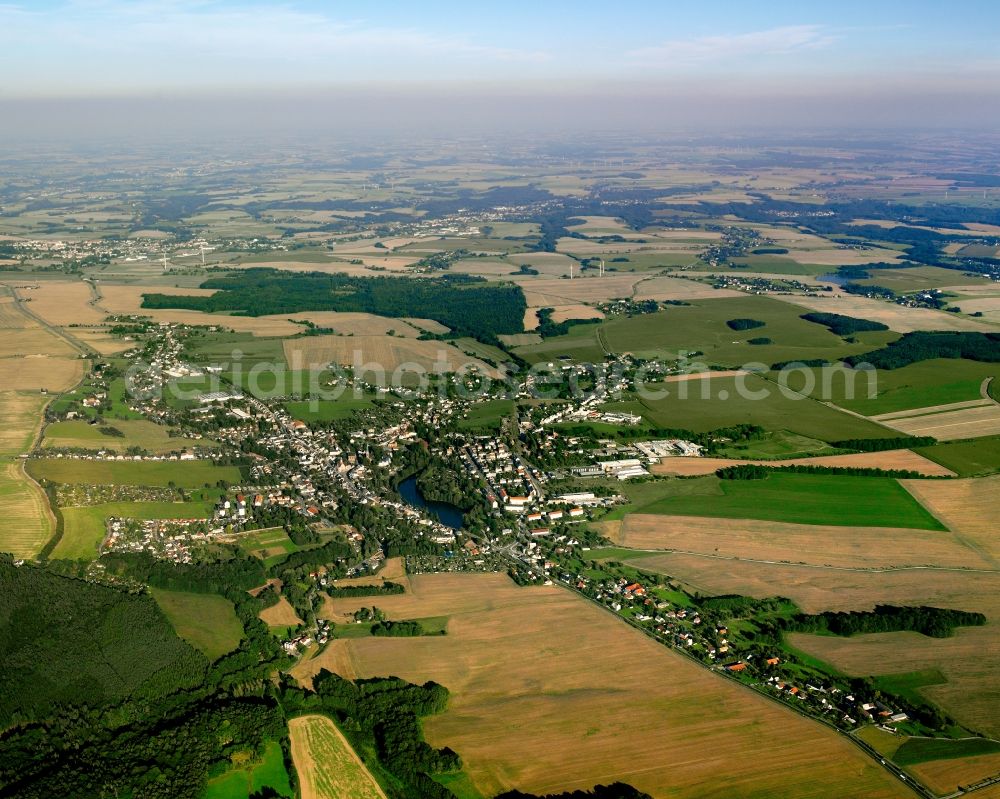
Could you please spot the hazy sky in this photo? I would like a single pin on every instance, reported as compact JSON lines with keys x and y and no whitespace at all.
{"x":914,"y":58}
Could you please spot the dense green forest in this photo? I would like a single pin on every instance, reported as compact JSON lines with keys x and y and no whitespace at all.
{"x":467,"y":305}
{"x":843,"y":325}
{"x":397,"y":629}
{"x":884,"y":444}
{"x":754,"y":471}
{"x":548,"y":328}
{"x":744,"y":324}
{"x":923,"y":346}
{"x":933,"y":622}
{"x":98,"y":644}
{"x":386,"y":588}
{"x":382,"y":716}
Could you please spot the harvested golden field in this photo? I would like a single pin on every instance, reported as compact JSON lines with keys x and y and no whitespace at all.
{"x":61,"y":302}
{"x":981,"y":419}
{"x":25,"y":337}
{"x":815,"y":589}
{"x":280,"y":615}
{"x":832,"y":256}
{"x":988,"y":306}
{"x":967,"y":661}
{"x":101,"y":340}
{"x":889,"y":459}
{"x":896,"y":317}
{"x":560,"y":313}
{"x":782,"y":542}
{"x":475,"y":266}
{"x":971,"y":693}
{"x":33,"y":340}
{"x":968,"y":507}
{"x":387,"y":352}
{"x":430,"y":325}
{"x":28,"y":522}
{"x":393,"y":570}
{"x":120,"y":299}
{"x":335,"y":657}
{"x":363,"y":324}
{"x":930,"y":409}
{"x":11,"y":316}
{"x":676,"y":288}
{"x":327,"y":765}
{"x":579,"y":289}
{"x":944,"y":776}
{"x":684,"y":243}
{"x":22,"y":419}
{"x":549,"y":692}
{"x":40,"y":372}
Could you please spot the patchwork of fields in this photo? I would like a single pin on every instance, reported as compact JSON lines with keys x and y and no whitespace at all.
{"x":549,"y":693}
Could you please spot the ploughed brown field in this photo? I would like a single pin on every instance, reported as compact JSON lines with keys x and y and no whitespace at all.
{"x":890,"y":459}
{"x":551,"y":693}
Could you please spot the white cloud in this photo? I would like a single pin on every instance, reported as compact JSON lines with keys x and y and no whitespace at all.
{"x":722,"y":48}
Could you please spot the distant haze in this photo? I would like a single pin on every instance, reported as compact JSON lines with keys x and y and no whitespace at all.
{"x":100,"y":67}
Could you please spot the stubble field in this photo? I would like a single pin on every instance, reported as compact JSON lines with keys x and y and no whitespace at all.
{"x":327,"y":766}
{"x":551,"y":693}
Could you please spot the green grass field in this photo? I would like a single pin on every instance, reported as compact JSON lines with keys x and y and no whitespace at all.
{"x":711,"y":403}
{"x":242,"y":780}
{"x":116,"y":393}
{"x":184,"y":474}
{"x":966,"y":458}
{"x":919,"y":385}
{"x":271,"y":545}
{"x":84,"y":527}
{"x":479,"y":350}
{"x":780,"y":444}
{"x":701,"y":328}
{"x":909,"y":683}
{"x":487,"y":415}
{"x":920,"y":750}
{"x":775,"y":264}
{"x":329,"y":410}
{"x":152,"y":437}
{"x":206,"y":621}
{"x":797,"y":498}
{"x":904,"y":281}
